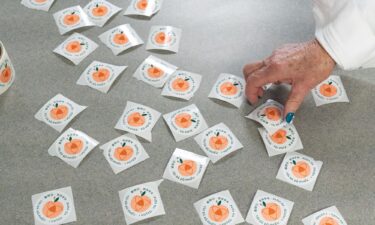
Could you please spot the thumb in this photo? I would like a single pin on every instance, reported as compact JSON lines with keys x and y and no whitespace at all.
{"x":295,"y":99}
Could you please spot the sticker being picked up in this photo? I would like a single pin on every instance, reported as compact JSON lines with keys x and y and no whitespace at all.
{"x":218,"y":142}
{"x":229,"y":88}
{"x":284,"y":140}
{"x":54,"y":207}
{"x":43,"y":5}
{"x":141,"y":202}
{"x":218,"y":208}
{"x":100,"y":76}
{"x":182,"y":84}
{"x":138,"y":119}
{"x":120,"y":38}
{"x":58,"y":112}
{"x":185,"y":122}
{"x":71,"y":18}
{"x":299,"y":170}
{"x":76,"y":48}
{"x":269,"y":209}
{"x":270,"y":115}
{"x":72,"y":147}
{"x":329,"y":91}
{"x":124,"y":152}
{"x":154,"y":71}
{"x":164,"y":38}
{"x":186,"y":168}
{"x":327,"y":216}
{"x":100,"y":11}
{"x":143,"y":7}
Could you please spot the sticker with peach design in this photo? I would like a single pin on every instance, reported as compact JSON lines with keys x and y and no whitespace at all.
{"x":218,"y":208}
{"x":71,"y":18}
{"x":143,"y":7}
{"x":229,"y":88}
{"x":141,"y":202}
{"x":270,"y":115}
{"x":285,"y":139}
{"x":164,"y":38}
{"x":299,"y":170}
{"x":120,"y":38}
{"x":100,"y":76}
{"x":327,"y":216}
{"x":7,"y":73}
{"x":100,"y":11}
{"x":43,"y":5}
{"x":329,"y":91}
{"x":182,"y":84}
{"x":186,"y":168}
{"x":54,"y":207}
{"x":269,"y":209}
{"x":124,"y":152}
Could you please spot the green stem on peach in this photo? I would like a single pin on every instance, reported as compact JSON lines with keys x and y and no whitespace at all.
{"x":144,"y":114}
{"x":288,"y":137}
{"x":143,"y":193}
{"x":97,"y":5}
{"x":217,"y":134}
{"x":56,"y":199}
{"x":82,"y":43}
{"x":56,"y":105}
{"x":192,"y":120}
{"x":235,"y":84}
{"x":180,"y":160}
{"x":294,"y":162}
{"x":70,"y":139}
{"x":186,"y":79}
{"x":329,"y":83}
{"x":219,"y":202}
{"x":264,"y":204}
{"x":123,"y":144}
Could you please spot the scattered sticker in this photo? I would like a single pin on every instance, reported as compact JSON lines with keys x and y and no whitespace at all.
{"x":100,"y":11}
{"x":154,"y":71}
{"x":270,"y":115}
{"x":185,"y":122}
{"x":269,"y":209}
{"x":7,"y":72}
{"x":229,"y":88}
{"x":54,"y":207}
{"x":124,"y":152}
{"x":76,"y":48}
{"x":100,"y":76}
{"x":58,"y":112}
{"x":218,"y":142}
{"x":71,"y":18}
{"x":327,"y":216}
{"x":43,"y":5}
{"x":218,"y":208}
{"x":284,"y":140}
{"x":329,"y":91}
{"x":143,"y":7}
{"x":141,"y":202}
{"x":164,"y":38}
{"x":182,"y":84}
{"x":120,"y":38}
{"x":186,"y":168}
{"x":138,"y":119}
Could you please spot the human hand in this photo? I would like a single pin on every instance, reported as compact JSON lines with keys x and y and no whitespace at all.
{"x":302,"y":65}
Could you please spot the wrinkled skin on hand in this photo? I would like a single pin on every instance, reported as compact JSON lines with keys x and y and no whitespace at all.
{"x":303,"y":65}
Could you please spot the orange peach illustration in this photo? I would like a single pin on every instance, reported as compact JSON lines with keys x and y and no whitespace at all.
{"x":271,"y":211}
{"x":184,"y":120}
{"x":73,"y":146}
{"x":142,"y":4}
{"x":162,"y":38}
{"x":228,"y":88}
{"x":280,"y":137}
{"x":328,"y":90}
{"x":180,"y":84}
{"x":140,"y":203}
{"x":136,"y":119}
{"x":74,"y":46}
{"x":100,"y":75}
{"x":6,"y":74}
{"x":120,"y":38}
{"x":71,"y":19}
{"x":272,"y":113}
{"x":155,"y":72}
{"x":59,"y":112}
{"x":53,"y":209}
{"x":99,"y":10}
{"x":187,"y":167}
{"x":300,"y":169}
{"x":328,"y":221}
{"x":218,"y":142}
{"x":123,"y":153}
{"x":218,"y":213}
{"x":40,"y":1}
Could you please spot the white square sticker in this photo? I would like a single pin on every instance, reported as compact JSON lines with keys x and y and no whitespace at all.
{"x":143,"y":7}
{"x":164,"y":38}
{"x":71,"y":18}
{"x":100,"y":11}
{"x":43,"y":5}
{"x":327,"y":216}
{"x":329,"y":91}
{"x":182,"y":84}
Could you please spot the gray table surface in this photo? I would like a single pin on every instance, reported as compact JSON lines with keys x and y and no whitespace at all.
{"x":218,"y":36}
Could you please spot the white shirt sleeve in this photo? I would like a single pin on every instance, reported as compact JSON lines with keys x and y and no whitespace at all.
{"x":346,"y":30}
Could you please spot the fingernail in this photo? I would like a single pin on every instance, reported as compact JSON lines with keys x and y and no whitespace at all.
{"x":289,"y":117}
